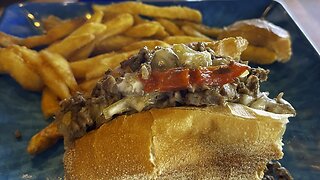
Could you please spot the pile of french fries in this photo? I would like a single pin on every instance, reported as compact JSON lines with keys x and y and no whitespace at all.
{"x":78,"y":51}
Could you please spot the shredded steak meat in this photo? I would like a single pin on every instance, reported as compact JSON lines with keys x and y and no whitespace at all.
{"x":135,"y":61}
{"x":198,"y":46}
{"x":262,"y":74}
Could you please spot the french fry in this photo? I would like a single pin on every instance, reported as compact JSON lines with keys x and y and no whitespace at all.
{"x":170,"y":27}
{"x":49,"y":103}
{"x":31,"y":57}
{"x":80,"y":68}
{"x":114,"y":43}
{"x":88,"y":85}
{"x":138,"y":19}
{"x":61,"y":68}
{"x":50,"y":78}
{"x":96,"y":17}
{"x":172,"y":12}
{"x":188,"y":30}
{"x":78,"y":39}
{"x":12,"y":63}
{"x":260,"y":55}
{"x":19,"y":51}
{"x":184,"y":39}
{"x":39,"y":40}
{"x":69,"y":45}
{"x":44,"y":139}
{"x":54,"y":82}
{"x":161,"y":33}
{"x":54,"y":34}
{"x":142,"y":30}
{"x":53,"y":69}
{"x":107,"y":16}
{"x":146,"y":28}
{"x":107,"y":63}
{"x":116,"y":25}
{"x":206,"y":30}
{"x":51,"y":22}
{"x":89,"y":28}
{"x":149,"y":43}
{"x":100,"y":70}
{"x":8,"y":40}
{"x":83,"y":52}
{"x":66,"y":27}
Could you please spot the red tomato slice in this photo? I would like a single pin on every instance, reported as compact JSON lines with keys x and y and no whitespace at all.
{"x":179,"y":78}
{"x":170,"y":80}
{"x":217,"y":75}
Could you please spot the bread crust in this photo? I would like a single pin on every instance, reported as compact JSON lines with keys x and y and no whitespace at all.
{"x":217,"y":142}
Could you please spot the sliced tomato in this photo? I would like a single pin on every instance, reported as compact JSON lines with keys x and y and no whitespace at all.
{"x":217,"y":75}
{"x":170,"y":80}
{"x":178,"y":78}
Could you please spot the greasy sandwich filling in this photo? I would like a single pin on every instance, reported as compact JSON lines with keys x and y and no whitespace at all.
{"x":182,"y":75}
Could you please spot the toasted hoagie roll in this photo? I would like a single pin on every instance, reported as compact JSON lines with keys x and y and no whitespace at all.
{"x":216,"y":142}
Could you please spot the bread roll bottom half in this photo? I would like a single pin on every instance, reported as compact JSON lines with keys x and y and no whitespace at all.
{"x":218,"y":142}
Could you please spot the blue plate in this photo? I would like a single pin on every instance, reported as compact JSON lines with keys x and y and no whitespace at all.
{"x":299,"y":79}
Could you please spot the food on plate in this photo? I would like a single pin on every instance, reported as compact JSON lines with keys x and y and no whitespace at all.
{"x":189,"y":30}
{"x":53,"y":69}
{"x":46,"y":138}
{"x":170,"y":27}
{"x":50,"y":22}
{"x":8,"y":40}
{"x":187,"y":111}
{"x":12,"y":63}
{"x":259,"y":55}
{"x":111,"y":62}
{"x":212,"y":32}
{"x":143,"y":30}
{"x":57,"y":32}
{"x":229,"y":47}
{"x":67,"y":46}
{"x":49,"y":103}
{"x":88,"y":85}
{"x":83,"y":52}
{"x":61,"y":68}
{"x":263,"y":34}
{"x":73,"y":55}
{"x":114,"y":43}
{"x":170,"y":12}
